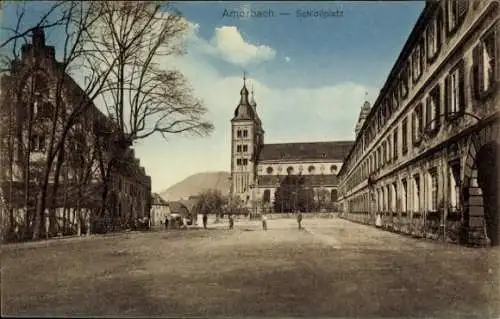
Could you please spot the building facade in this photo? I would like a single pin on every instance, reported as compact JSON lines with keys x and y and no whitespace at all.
{"x":160,"y":210}
{"x":257,"y":169}
{"x":27,"y":114}
{"x":425,"y":159}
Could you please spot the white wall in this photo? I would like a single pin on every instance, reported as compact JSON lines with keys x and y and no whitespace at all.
{"x":319,"y":167}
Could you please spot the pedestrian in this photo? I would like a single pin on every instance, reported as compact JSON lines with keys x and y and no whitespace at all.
{"x":231,"y":221}
{"x":205,"y":220}
{"x":378,"y":221}
{"x":299,"y":220}
{"x":264,"y":222}
{"x":166,"y":222}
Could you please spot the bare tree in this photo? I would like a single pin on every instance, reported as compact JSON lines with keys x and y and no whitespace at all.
{"x":73,"y":19}
{"x":117,"y":46}
{"x":141,"y":95}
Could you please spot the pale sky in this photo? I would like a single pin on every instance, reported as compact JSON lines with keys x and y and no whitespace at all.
{"x":309,"y":74}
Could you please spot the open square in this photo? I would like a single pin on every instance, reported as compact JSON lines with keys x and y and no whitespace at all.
{"x":333,"y":268}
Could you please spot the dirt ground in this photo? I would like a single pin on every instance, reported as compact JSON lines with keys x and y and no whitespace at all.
{"x":333,"y":268}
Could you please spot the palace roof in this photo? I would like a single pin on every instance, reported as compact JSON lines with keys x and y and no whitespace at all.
{"x":305,"y":151}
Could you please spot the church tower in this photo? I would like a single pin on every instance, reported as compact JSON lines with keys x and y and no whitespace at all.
{"x":363,"y":114}
{"x":247,"y":138}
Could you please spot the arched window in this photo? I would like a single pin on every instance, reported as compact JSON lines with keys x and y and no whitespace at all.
{"x":333,"y":195}
{"x":311,"y":169}
{"x":289,"y":170}
{"x":269,"y":170}
{"x":267,"y":196}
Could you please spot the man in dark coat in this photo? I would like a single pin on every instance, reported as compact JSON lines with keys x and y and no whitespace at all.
{"x":205,"y":220}
{"x":299,"y":219}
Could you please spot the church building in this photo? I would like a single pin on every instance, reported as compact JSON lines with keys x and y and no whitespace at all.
{"x":258,"y":168}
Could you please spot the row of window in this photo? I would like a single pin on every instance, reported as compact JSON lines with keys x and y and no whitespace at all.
{"x":266,"y":198}
{"x":424,"y":53}
{"x":311,"y":169}
{"x":126,"y":187}
{"x":242,"y":133}
{"x":408,"y":196}
{"x":242,"y":161}
{"x":241,"y":148}
{"x":449,"y":103}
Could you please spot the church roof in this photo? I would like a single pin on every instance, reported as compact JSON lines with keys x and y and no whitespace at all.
{"x":306,"y":151}
{"x":244,"y":110}
{"x":309,"y":180}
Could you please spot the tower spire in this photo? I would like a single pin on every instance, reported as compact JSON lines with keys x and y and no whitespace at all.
{"x":244,"y":78}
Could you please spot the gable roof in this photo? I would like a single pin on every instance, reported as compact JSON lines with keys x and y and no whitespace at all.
{"x":158,"y":200}
{"x":306,"y":151}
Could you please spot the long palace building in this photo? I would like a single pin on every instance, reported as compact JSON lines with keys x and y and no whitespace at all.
{"x":424,"y":162}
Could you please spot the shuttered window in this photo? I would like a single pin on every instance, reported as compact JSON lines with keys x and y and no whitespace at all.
{"x":455,"y":92}
{"x":486,"y":68}
{"x":395,"y":144}
{"x":417,"y":124}
{"x":404,"y":135}
{"x":432,"y":111}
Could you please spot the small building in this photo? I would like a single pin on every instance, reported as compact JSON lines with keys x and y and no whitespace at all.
{"x":159,"y":210}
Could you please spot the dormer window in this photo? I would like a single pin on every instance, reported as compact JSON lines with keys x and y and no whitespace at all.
{"x":323,"y":155}
{"x":289,"y":170}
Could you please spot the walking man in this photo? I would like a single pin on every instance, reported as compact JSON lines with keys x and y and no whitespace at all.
{"x":205,"y":220}
{"x":299,"y":220}
{"x":166,"y":222}
{"x":231,"y":221}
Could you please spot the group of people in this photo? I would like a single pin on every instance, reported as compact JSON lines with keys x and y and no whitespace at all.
{"x":264,"y":221}
{"x":231,"y":221}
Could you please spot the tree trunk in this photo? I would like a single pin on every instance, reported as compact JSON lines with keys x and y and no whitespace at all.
{"x":52,"y":216}
{"x":78,"y":222}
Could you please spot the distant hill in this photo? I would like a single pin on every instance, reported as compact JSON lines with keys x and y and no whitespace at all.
{"x":197,"y":183}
